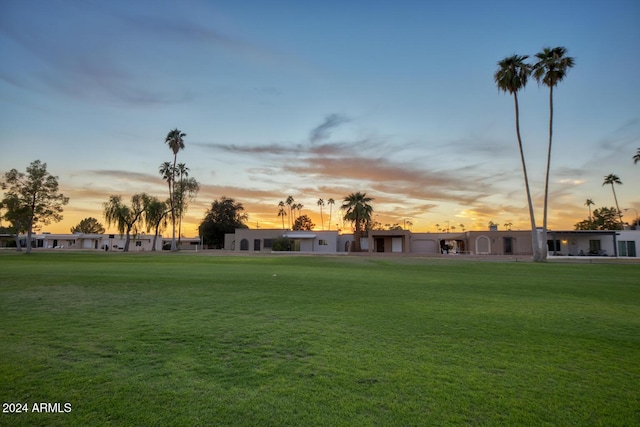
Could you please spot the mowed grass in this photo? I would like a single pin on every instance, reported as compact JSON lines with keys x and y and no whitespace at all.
{"x":185,"y":339}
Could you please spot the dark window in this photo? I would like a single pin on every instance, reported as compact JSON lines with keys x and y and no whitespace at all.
{"x":553,"y":245}
{"x":244,"y":245}
{"x":267,"y":243}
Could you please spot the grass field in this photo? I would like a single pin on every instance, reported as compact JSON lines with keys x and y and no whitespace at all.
{"x":185,"y":339}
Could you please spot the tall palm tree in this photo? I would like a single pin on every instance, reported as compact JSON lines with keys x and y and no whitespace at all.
{"x":183,"y":171}
{"x":321,"y":204}
{"x":330,"y":202}
{"x":299,"y":207}
{"x":612,"y":179}
{"x":282,"y":212}
{"x":289,"y":203}
{"x":358,"y":211}
{"x":512,"y":76}
{"x":175,"y":141}
{"x":588,"y":204}
{"x":551,"y":68}
{"x":636,"y":157}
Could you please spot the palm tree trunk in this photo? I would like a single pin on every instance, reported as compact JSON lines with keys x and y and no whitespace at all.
{"x":617,"y":207}
{"x":537,"y":256}
{"x":173,"y":205}
{"x":546,"y":182}
{"x":180,"y":210}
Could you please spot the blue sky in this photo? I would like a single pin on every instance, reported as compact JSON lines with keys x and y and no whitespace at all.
{"x":321,"y":99}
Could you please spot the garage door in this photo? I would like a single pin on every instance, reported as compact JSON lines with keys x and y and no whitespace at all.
{"x":424,"y":247}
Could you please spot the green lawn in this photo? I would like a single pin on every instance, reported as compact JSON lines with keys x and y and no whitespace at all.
{"x":186,"y":339}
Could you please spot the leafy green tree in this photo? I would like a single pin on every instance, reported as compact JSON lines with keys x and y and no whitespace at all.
{"x":303,"y":222}
{"x":155,"y":217}
{"x":17,"y":216}
{"x":175,"y":141}
{"x":88,"y":225}
{"x":124,"y":217}
{"x":512,"y":76}
{"x":612,"y":179}
{"x":602,"y":219}
{"x":32,"y":198}
{"x":551,"y":68}
{"x":224,"y":217}
{"x":358,"y":211}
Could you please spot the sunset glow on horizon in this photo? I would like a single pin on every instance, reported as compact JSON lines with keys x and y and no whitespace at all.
{"x":396,"y":100}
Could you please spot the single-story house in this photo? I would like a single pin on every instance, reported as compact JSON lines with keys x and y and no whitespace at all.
{"x":261,"y":240}
{"x":624,"y":243}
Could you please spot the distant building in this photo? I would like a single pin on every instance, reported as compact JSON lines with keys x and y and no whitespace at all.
{"x":623,"y":243}
{"x":614,"y":243}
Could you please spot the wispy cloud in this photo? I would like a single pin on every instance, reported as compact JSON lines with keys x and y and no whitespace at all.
{"x":322,"y":132}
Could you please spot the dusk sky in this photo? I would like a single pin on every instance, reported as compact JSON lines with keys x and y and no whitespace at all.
{"x":321,"y":99}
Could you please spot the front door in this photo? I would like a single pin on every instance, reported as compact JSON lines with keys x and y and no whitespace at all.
{"x":380,"y":244}
{"x":508,"y":245}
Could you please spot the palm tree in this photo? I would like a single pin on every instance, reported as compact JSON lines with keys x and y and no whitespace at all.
{"x":330,"y":202}
{"x":299,"y":207}
{"x":175,"y":141}
{"x":588,"y":204}
{"x":636,"y":157}
{"x":358,"y":211}
{"x":614,"y":179}
{"x":462,"y":226}
{"x":321,"y":204}
{"x":282,"y":212}
{"x":511,"y":76}
{"x":183,"y":171}
{"x":551,"y":68}
{"x":289,"y":202}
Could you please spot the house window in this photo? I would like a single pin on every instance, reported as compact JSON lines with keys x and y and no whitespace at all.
{"x":138,"y":243}
{"x":627,"y":248}
{"x":594,"y":247}
{"x":553,"y":245}
{"x":323,"y":242}
{"x":267,"y":243}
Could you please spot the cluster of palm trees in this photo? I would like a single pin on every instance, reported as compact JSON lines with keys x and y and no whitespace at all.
{"x":290,"y":205}
{"x":149,"y":209}
{"x":356,"y":206}
{"x":182,"y":189}
{"x":448,"y":228}
{"x":512,"y":75}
